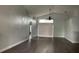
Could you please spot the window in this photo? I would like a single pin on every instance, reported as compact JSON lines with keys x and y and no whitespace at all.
{"x":45,"y":21}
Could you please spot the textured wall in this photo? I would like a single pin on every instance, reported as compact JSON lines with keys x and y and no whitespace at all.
{"x":14,"y":25}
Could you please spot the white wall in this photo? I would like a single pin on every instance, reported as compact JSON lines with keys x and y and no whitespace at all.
{"x":45,"y":29}
{"x":69,"y":30}
{"x":72,"y":29}
{"x":34,"y":28}
{"x":75,"y":23}
{"x":59,"y":25}
{"x":14,"y":26}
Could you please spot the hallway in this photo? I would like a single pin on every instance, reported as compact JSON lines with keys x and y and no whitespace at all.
{"x":39,"y":29}
{"x":37,"y":24}
{"x":43,"y":45}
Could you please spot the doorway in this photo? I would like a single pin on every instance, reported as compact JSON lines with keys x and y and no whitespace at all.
{"x":45,"y":28}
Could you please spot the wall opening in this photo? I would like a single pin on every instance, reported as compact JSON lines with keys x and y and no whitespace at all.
{"x":45,"y":28}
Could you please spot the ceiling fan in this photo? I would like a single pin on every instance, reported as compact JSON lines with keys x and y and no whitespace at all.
{"x":49,"y":17}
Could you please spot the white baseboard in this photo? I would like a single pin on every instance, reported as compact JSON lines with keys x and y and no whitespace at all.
{"x":59,"y":36}
{"x":44,"y":36}
{"x":72,"y":41}
{"x":34,"y":36}
{"x":13,"y":45}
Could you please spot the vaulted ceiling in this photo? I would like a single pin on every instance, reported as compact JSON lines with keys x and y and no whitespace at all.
{"x":39,"y":10}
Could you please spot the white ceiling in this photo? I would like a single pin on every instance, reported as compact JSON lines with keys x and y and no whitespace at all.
{"x":38,"y":10}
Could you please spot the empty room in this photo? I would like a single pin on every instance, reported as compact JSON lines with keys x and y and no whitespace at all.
{"x":39,"y":28}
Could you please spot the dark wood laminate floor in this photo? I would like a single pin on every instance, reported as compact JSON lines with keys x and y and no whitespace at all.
{"x":43,"y":45}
